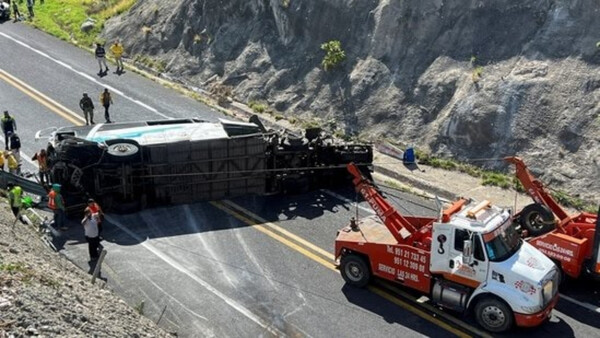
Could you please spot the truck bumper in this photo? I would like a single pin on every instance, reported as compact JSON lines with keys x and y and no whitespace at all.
{"x":535,"y":319}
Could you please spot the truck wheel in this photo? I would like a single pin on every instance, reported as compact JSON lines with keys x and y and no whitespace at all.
{"x":494,"y":315}
{"x":123,"y":150}
{"x":537,"y":219}
{"x":355,"y":270}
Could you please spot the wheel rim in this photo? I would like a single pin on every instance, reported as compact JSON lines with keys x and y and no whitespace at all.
{"x":493,"y":316}
{"x":354,"y":272}
{"x":536,"y":221}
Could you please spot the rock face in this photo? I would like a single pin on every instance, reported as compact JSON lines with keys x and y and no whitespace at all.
{"x":468,"y":79}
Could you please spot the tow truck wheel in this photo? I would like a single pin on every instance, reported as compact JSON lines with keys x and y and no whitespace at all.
{"x":537,"y":219}
{"x":355,"y":270}
{"x":494,"y":315}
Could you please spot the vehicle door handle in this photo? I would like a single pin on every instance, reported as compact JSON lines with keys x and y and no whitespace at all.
{"x":451,"y":264}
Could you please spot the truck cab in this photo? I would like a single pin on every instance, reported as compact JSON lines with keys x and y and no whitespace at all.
{"x":481,"y":250}
{"x":469,"y":258}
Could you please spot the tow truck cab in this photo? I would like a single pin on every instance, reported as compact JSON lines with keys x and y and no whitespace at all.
{"x":471,"y":259}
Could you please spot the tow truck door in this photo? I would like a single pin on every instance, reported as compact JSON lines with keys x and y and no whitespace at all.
{"x":448,"y":252}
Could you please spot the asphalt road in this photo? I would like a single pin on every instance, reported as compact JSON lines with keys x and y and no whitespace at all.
{"x":254,"y":266}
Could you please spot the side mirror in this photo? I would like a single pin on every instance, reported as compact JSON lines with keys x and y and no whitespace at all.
{"x":467,"y":255}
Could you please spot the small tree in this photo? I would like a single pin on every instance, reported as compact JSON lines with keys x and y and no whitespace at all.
{"x":334,"y":54}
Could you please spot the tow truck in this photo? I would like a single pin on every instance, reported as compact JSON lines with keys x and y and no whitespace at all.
{"x":572,"y":241}
{"x":470,"y":258}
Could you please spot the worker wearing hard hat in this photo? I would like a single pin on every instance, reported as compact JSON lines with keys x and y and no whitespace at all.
{"x":57,"y":204}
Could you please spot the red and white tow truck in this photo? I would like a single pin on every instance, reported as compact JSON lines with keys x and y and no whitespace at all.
{"x":468,"y":259}
{"x":572,"y":241}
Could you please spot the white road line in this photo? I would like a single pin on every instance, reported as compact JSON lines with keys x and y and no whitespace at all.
{"x":235,"y":305}
{"x":582,"y":304}
{"x":86,"y":76}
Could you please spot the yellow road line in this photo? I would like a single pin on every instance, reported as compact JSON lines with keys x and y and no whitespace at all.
{"x":326,"y":263}
{"x":279,"y":229}
{"x":41,"y":98}
{"x":330,"y":264}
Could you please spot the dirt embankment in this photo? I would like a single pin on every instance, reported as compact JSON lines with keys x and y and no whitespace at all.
{"x":41,"y":293}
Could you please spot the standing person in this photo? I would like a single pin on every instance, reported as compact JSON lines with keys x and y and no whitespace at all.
{"x":106,"y":101}
{"x":8,"y":123}
{"x":16,"y":12}
{"x":101,"y":57}
{"x":15,"y":145}
{"x":30,"y":8}
{"x":117,"y":51}
{"x":95,"y":209}
{"x":57,"y":204}
{"x":13,"y":164}
{"x":42,"y":159}
{"x":15,"y":193}
{"x":90,"y":228}
{"x":87,"y":106}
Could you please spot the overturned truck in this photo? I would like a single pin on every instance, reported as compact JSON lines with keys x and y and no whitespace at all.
{"x":131,"y":165}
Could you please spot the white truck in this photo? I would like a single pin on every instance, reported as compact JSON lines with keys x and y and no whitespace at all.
{"x":469,"y":259}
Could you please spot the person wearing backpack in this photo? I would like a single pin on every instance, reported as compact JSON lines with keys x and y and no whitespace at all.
{"x":106,"y":101}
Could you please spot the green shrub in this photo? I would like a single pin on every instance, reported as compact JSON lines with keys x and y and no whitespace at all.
{"x":334,"y":54}
{"x":258,"y":107}
{"x":278,"y":117}
{"x":496,"y":179}
{"x":477,"y":72}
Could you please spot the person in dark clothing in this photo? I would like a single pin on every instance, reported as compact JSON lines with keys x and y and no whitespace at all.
{"x":15,"y":145}
{"x":101,"y":57}
{"x":8,"y":125}
{"x":30,"y":9}
{"x":106,"y":101}
{"x":87,"y":106}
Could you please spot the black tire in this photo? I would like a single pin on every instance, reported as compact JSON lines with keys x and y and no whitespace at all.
{"x":537,"y":219}
{"x":355,"y":270}
{"x":494,"y":315}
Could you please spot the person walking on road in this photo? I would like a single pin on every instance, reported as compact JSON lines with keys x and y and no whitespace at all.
{"x":42,"y":158}
{"x":15,"y":193}
{"x":101,"y":57}
{"x":117,"y":51}
{"x":87,"y":106}
{"x":15,"y":145}
{"x":57,"y":204}
{"x":90,"y":229}
{"x":95,"y":209}
{"x":106,"y":101}
{"x":8,"y":124}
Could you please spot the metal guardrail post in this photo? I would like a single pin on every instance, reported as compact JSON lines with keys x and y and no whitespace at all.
{"x":98,"y":264}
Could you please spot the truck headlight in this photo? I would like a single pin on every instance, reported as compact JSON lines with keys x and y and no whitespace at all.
{"x":548,"y":291}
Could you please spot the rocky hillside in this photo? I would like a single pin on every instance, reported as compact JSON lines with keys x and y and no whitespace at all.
{"x":465,"y":79}
{"x":43,"y":294}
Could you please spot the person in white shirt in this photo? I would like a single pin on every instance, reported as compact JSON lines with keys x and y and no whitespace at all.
{"x":90,"y":228}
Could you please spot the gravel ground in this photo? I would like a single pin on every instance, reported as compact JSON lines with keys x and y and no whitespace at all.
{"x":43,"y":294}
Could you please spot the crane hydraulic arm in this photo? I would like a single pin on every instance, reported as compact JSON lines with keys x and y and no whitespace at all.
{"x":535,"y":188}
{"x":399,"y":226}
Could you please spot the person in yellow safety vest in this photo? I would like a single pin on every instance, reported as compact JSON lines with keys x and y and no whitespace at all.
{"x":13,"y":164}
{"x":15,"y":193}
{"x":1,"y":160}
{"x":42,"y":159}
{"x":57,"y":204}
{"x":117,"y":50}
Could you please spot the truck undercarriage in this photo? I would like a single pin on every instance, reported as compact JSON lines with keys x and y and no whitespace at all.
{"x":126,"y":174}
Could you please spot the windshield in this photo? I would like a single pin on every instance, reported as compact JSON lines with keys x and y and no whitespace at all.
{"x":502,"y":243}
